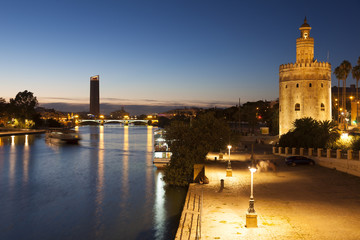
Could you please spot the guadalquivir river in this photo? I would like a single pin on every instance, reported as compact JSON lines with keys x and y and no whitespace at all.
{"x":106,"y":187}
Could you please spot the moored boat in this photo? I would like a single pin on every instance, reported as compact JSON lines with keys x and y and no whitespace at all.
{"x":65,"y":136}
{"x":162,"y":153}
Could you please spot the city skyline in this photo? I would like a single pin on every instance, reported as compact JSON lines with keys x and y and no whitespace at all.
{"x":165,"y":53}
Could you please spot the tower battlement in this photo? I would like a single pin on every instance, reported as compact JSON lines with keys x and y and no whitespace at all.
{"x":325,"y":65}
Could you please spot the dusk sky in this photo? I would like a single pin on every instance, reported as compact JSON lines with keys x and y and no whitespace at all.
{"x":165,"y":52}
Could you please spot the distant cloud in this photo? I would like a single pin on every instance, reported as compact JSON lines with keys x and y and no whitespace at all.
{"x":133,"y":109}
{"x":134,"y":106}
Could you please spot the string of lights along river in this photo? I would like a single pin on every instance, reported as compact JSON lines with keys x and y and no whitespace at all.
{"x":106,"y":187}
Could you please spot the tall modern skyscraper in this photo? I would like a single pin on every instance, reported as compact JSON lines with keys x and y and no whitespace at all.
{"x":94,"y":95}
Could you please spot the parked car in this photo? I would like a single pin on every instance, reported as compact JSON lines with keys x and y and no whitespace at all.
{"x":295,"y":160}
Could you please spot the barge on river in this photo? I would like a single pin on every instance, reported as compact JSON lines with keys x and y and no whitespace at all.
{"x":162,"y":153}
{"x":63,"y":136}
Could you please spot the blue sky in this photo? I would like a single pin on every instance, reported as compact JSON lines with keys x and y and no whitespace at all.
{"x":165,"y":52}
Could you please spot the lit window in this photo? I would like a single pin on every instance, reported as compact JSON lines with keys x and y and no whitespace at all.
{"x":297,"y":107}
{"x":322,"y":107}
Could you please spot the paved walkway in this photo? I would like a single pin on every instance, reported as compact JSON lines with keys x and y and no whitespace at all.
{"x":302,"y":202}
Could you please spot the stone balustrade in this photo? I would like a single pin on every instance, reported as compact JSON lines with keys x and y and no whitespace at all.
{"x":345,"y":161}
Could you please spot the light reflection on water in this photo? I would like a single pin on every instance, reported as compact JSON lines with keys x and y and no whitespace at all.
{"x":104,"y":188}
{"x":12,"y":162}
{"x":159,"y":207}
{"x":26,"y":160}
{"x":100,"y":184}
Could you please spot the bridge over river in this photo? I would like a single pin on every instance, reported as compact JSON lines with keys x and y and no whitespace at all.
{"x":103,"y":121}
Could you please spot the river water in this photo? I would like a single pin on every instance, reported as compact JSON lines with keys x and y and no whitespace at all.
{"x":106,"y":187}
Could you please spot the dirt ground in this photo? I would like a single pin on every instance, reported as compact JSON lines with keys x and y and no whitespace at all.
{"x":302,"y":202}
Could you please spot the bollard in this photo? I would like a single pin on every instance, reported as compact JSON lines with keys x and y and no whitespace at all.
{"x":215,"y":158}
{"x":338,"y":153}
{"x":319,"y":152}
{"x":221,"y":183}
{"x":349,"y":154}
{"x":328,"y":153}
{"x":310,"y":151}
{"x":301,"y":151}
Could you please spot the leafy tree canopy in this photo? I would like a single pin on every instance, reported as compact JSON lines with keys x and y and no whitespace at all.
{"x":190,"y":144}
{"x":23,"y":105}
{"x":309,"y":133}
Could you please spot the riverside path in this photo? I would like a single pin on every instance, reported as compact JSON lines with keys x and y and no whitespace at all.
{"x":302,"y":202}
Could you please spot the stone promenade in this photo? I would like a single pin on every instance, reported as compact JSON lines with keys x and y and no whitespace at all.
{"x":302,"y":202}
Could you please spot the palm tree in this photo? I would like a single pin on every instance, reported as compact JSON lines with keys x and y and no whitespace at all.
{"x":339,"y":75}
{"x":356,"y":75}
{"x":343,"y":73}
{"x":328,"y":133}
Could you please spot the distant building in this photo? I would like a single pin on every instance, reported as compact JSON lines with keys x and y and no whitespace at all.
{"x":350,"y":112}
{"x":119,"y":114}
{"x":186,"y":112}
{"x":350,"y":93}
{"x":304,"y":86}
{"x":94,"y":95}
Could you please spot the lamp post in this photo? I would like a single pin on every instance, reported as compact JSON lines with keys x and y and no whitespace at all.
{"x":251,"y":215}
{"x":102,"y":119}
{"x":228,"y":169}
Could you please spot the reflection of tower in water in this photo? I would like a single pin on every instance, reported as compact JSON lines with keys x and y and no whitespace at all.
{"x":100,"y":183}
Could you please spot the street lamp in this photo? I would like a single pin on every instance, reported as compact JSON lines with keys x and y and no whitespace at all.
{"x":102,"y":119}
{"x":251,"y":215}
{"x":229,"y":170}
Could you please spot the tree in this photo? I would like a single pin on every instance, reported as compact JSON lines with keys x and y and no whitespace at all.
{"x":23,"y":106}
{"x":356,"y":75}
{"x":309,"y":133}
{"x":342,"y":72}
{"x":3,"y":111}
{"x":338,"y":74}
{"x":190,"y":143}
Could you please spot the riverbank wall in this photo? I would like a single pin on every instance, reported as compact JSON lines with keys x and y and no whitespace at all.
{"x":12,"y":132}
{"x":190,"y":221}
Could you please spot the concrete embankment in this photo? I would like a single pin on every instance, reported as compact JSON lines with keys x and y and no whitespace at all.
{"x":302,"y":202}
{"x":12,"y":132}
{"x":189,"y":225}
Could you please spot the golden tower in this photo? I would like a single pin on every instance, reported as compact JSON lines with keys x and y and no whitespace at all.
{"x":304,"y":86}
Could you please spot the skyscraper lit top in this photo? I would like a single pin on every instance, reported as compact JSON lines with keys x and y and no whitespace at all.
{"x":94,"y":95}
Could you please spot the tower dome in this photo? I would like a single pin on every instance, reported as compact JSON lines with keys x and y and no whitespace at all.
{"x":305,"y":24}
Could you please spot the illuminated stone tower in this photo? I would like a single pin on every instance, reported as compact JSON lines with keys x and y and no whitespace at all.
{"x":304,"y":86}
{"x":94,"y":95}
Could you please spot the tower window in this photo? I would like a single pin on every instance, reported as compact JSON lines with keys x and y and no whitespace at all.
{"x":322,"y":107}
{"x":297,"y":107}
{"x":322,"y":85}
{"x":285,"y":86}
{"x":309,"y":84}
{"x":297,"y":85}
